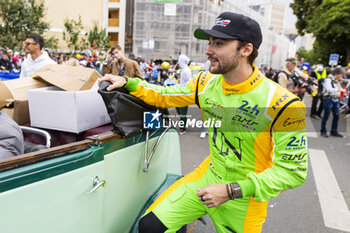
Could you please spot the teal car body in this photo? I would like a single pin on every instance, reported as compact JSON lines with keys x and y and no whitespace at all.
{"x":93,"y":186}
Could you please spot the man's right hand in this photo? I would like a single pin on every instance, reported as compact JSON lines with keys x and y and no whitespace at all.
{"x":109,"y":55}
{"x":117,"y":81}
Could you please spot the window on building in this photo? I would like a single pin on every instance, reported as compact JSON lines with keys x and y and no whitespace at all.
{"x":113,"y":18}
{"x":114,"y":38}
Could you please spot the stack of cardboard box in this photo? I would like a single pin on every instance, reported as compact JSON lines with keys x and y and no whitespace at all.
{"x":56,"y":97}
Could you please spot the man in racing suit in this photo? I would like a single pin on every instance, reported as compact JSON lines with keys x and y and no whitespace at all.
{"x":258,"y":145}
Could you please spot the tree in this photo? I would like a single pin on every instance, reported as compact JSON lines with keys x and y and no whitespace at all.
{"x":72,"y":34}
{"x":99,"y":37}
{"x":304,"y":10}
{"x":52,"y":43}
{"x":329,"y":21}
{"x":307,"y":55}
{"x":332,"y":25}
{"x":20,"y":18}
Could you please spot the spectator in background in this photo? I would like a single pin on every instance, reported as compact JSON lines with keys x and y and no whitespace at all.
{"x":55,"y":57}
{"x":269,"y":73}
{"x":117,"y":64}
{"x":10,"y":53}
{"x":5,"y":62}
{"x":84,"y":56}
{"x":15,"y":66}
{"x":83,"y":63}
{"x":22,"y":57}
{"x":264,"y":70}
{"x":143,"y":67}
{"x":284,"y":77}
{"x":156,"y":72}
{"x":98,"y":67}
{"x":331,"y":96}
{"x":185,"y":76}
{"x":138,"y":60}
{"x":347,"y":73}
{"x":1,"y":52}
{"x":203,"y":130}
{"x":90,"y":63}
{"x":95,"y":51}
{"x":320,"y":74}
{"x":72,"y":62}
{"x":164,"y":74}
{"x":36,"y":58}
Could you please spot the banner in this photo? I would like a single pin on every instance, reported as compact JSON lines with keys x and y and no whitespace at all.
{"x":274,"y":48}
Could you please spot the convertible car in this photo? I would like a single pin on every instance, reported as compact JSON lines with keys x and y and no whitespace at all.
{"x":101,"y":184}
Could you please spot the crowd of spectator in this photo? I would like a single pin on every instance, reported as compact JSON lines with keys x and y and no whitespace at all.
{"x":92,"y":57}
{"x":297,"y":78}
{"x":328,"y":87}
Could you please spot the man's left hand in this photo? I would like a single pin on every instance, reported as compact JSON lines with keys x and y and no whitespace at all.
{"x":213,"y":195}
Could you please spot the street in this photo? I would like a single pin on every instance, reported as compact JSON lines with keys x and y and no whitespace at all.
{"x":319,"y":205}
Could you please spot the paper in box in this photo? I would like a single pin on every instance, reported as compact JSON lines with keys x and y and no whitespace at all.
{"x":69,"y":78}
{"x":14,"y":97}
{"x":70,"y":111}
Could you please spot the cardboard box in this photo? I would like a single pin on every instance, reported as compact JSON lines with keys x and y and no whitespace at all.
{"x":19,"y":112}
{"x":14,"y":98}
{"x":77,"y":111}
{"x":69,"y":78}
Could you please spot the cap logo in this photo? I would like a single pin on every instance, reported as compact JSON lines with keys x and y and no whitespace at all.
{"x":222,"y":22}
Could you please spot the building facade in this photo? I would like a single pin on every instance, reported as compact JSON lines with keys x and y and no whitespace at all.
{"x":109,"y":14}
{"x":164,"y":30}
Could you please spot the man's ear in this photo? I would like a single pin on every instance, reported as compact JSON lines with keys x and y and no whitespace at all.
{"x":247,"y":50}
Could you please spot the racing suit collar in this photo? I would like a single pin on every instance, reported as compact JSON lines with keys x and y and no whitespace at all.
{"x":243,"y":87}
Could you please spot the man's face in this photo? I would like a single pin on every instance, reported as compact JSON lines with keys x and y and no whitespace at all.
{"x":30,"y":45}
{"x":116,"y":53}
{"x":290,"y":66}
{"x":338,"y":76}
{"x":4,"y":56}
{"x":223,"y":55}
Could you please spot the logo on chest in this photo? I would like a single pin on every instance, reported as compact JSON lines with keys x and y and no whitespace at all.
{"x":246,"y":115}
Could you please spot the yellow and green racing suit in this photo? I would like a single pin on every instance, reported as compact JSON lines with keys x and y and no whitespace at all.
{"x":261,"y":144}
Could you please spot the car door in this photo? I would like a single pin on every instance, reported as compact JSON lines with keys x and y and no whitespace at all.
{"x":128,"y":186}
{"x":52,"y":195}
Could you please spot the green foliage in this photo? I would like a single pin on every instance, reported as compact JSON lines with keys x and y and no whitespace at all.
{"x":332,"y":22}
{"x":72,"y":34}
{"x":99,"y":37}
{"x":329,"y":21}
{"x":303,"y":53}
{"x":304,"y":10}
{"x":52,"y":43}
{"x":319,"y":55}
{"x":20,"y":18}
